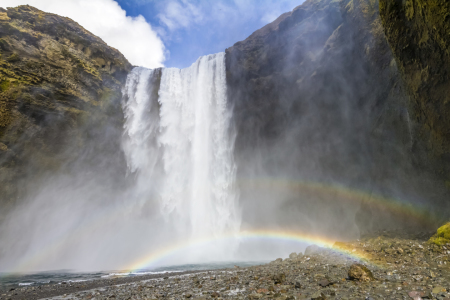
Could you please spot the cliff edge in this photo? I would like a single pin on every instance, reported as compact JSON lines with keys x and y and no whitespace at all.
{"x":59,"y":85}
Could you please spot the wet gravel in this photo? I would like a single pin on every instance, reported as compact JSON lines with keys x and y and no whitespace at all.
{"x":52,"y":290}
{"x":387,"y":268}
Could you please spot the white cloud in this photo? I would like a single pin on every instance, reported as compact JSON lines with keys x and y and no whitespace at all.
{"x":178,"y":14}
{"x":134,"y":37}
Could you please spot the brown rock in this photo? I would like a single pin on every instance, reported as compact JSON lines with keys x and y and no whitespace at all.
{"x":262,"y":291}
{"x":278,"y":260}
{"x":324,"y":283}
{"x":279,"y":278}
{"x":416,"y":295}
{"x":360,"y":273}
{"x":215,"y":295}
{"x":318,"y":296}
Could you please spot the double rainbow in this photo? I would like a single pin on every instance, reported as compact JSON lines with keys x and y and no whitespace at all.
{"x":109,"y":216}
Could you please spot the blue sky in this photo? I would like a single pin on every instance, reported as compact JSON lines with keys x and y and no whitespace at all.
{"x":192,"y":28}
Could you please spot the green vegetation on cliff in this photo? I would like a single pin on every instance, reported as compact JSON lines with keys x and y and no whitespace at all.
{"x":58,"y":82}
{"x":442,"y":236}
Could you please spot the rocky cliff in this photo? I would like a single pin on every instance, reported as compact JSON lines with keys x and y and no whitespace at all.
{"x":319,"y":96}
{"x":334,"y":99}
{"x":60,"y":86}
{"x":418,"y":33}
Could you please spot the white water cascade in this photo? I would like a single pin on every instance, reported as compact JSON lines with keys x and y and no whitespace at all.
{"x":178,"y":143}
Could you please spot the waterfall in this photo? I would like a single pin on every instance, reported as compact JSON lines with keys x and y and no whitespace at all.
{"x":141,"y":131}
{"x":179,"y":145}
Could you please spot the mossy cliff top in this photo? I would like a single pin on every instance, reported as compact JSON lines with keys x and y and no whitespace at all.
{"x":55,"y":78}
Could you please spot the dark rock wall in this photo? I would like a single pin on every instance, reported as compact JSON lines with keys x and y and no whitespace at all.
{"x":318,"y":96}
{"x":418,"y":33}
{"x":60,"y":89}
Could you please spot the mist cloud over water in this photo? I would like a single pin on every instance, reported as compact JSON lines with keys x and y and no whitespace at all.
{"x":179,"y":183}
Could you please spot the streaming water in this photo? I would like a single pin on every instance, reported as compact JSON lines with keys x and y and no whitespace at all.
{"x":179,"y":145}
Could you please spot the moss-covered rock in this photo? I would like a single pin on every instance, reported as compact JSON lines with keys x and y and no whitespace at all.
{"x":58,"y":85}
{"x":360,"y":273}
{"x":442,"y":236}
{"x":418,"y":34}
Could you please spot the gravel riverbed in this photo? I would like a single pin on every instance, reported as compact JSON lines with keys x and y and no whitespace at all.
{"x":371,"y":268}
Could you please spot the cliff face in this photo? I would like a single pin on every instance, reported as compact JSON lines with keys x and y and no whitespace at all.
{"x":318,"y":96}
{"x":418,"y":33}
{"x":330,"y":93}
{"x":60,"y":86}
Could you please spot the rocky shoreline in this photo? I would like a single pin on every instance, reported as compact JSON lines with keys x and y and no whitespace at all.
{"x":66,"y":288}
{"x":380,"y":267}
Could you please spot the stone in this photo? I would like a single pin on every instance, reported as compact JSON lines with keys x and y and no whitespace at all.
{"x":324,"y":283}
{"x":318,"y":296}
{"x":416,"y":295}
{"x":215,"y":295}
{"x":293,"y":255}
{"x":262,"y":291}
{"x":279,"y":278}
{"x":312,"y":249}
{"x":438,"y":290}
{"x":360,"y":273}
{"x":278,"y":260}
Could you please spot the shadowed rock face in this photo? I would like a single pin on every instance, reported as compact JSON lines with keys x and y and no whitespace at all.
{"x":318,"y":96}
{"x":418,"y":33}
{"x":60,"y":86}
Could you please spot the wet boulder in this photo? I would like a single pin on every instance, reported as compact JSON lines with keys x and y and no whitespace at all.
{"x":313,"y":249}
{"x":318,"y":296}
{"x":279,"y":278}
{"x":360,"y":273}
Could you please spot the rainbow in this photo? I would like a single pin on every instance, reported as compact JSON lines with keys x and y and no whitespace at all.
{"x":420,"y":214}
{"x":153,"y":258}
{"x":110,"y":215}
